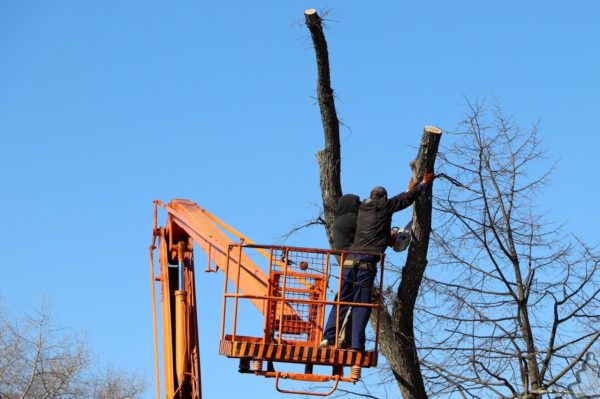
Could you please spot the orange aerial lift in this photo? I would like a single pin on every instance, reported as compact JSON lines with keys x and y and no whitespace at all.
{"x":287,"y":285}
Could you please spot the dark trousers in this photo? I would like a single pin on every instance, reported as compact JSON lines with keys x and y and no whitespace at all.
{"x":357,"y":284}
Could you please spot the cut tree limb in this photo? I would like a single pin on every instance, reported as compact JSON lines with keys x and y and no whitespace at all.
{"x":328,"y":159}
{"x":397,"y":336}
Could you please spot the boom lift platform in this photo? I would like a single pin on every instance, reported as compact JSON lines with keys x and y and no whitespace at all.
{"x":288,"y":286}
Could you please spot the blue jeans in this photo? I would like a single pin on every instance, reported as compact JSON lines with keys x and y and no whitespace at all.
{"x":357,"y":284}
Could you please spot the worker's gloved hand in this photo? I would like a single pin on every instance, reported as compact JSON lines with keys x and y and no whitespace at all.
{"x":428,"y":178}
{"x":411,"y":184}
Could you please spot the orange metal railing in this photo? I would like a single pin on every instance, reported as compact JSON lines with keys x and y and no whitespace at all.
{"x":288,"y":285}
{"x":298,"y":280}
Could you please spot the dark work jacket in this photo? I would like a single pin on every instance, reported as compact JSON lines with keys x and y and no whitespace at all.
{"x":374,"y":220}
{"x":344,"y":226}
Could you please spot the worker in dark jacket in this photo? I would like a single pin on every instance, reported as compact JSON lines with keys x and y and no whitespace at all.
{"x":344,"y":229}
{"x":374,"y":222}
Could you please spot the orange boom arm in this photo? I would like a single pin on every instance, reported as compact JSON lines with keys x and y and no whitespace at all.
{"x":288,"y":289}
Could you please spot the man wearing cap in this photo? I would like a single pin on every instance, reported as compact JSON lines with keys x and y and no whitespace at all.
{"x":374,"y":222}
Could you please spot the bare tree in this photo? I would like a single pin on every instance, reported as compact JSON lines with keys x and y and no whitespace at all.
{"x":40,"y":361}
{"x":397,"y":340}
{"x":514,"y":301}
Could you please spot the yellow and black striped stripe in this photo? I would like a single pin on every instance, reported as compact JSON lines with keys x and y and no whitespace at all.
{"x":298,"y":354}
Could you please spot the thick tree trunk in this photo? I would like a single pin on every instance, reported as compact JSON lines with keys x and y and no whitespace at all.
{"x":329,"y":158}
{"x":397,"y":336}
{"x":533,"y":370}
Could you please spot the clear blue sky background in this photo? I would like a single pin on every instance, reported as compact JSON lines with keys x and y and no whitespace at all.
{"x":108,"y":105}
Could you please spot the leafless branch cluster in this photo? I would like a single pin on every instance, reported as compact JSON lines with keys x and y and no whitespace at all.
{"x":511,"y":303}
{"x":40,"y":361}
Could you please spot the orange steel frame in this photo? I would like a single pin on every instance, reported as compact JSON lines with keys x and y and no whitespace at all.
{"x":291,"y":297}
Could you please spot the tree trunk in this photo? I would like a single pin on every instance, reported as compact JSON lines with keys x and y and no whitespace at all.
{"x":402,"y":353}
{"x":329,"y":158}
{"x":533,"y":371}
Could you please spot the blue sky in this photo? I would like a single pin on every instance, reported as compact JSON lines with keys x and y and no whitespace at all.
{"x":106,"y":106}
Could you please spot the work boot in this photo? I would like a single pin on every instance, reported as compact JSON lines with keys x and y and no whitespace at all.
{"x":324,"y":343}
